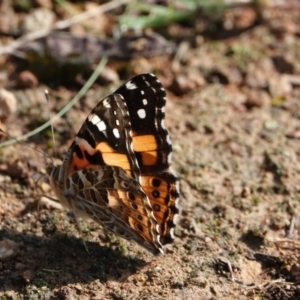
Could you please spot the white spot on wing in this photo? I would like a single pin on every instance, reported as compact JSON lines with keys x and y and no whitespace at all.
{"x":106,"y":103}
{"x":169,"y":158}
{"x":142,"y":92}
{"x":130,"y":85}
{"x":141,"y":113}
{"x":116,"y":133}
{"x":117,"y":122}
{"x":97,"y":121}
{"x":145,"y":101}
{"x":172,"y":232}
{"x":168,"y":140}
{"x":177,"y":186}
{"x":101,"y":126}
{"x":94,"y":119}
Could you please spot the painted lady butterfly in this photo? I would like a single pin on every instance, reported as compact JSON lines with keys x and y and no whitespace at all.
{"x":117,"y":170}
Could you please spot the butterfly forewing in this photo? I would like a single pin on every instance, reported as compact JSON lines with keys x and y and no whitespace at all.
{"x":146,"y":98}
{"x":105,"y":139}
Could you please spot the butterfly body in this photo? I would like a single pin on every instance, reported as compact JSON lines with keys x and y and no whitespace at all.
{"x":117,"y":170}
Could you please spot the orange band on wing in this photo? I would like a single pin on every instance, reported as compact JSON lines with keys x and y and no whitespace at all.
{"x":116,"y":159}
{"x":109,"y":155}
{"x":112,"y":158}
{"x":104,"y":147}
{"x":144,"y":143}
{"x":149,"y":158}
{"x":79,"y":164}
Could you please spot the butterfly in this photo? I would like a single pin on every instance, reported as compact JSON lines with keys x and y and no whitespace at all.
{"x":117,"y":170}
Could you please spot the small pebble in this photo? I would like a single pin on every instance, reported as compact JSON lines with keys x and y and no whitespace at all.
{"x":26,"y":79}
{"x":39,"y":18}
{"x":64,"y":292}
{"x":27,"y":276}
{"x":8,"y":250}
{"x":8,"y":104}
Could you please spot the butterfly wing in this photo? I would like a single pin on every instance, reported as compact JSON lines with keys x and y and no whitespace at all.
{"x":146,"y":98}
{"x":105,"y":138}
{"x":111,"y":198}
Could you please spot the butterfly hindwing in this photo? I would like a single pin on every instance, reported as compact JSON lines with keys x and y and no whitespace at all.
{"x":111,"y":198}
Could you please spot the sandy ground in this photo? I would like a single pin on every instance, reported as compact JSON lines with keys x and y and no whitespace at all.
{"x":235,"y":132}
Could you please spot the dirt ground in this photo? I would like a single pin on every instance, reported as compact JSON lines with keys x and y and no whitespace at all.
{"x":233,"y":114}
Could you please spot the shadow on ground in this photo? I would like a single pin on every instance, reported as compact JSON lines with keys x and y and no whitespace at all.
{"x":39,"y":258}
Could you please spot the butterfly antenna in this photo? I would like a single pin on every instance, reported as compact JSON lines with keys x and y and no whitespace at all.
{"x":51,"y":122}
